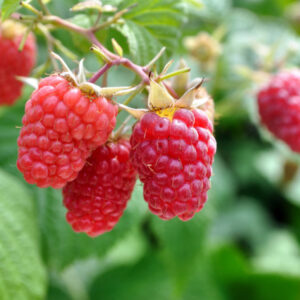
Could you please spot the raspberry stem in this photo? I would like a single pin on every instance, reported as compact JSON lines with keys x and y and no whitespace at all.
{"x":99,"y":73}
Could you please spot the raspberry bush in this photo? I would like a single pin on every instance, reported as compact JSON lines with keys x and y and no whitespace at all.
{"x":149,"y":149}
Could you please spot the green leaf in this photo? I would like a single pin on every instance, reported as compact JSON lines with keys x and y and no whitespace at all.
{"x":7,"y":7}
{"x":146,"y":280}
{"x":63,"y":246}
{"x":22,"y":274}
{"x":174,"y":237}
{"x":10,"y":122}
{"x":280,"y":253}
{"x":228,"y":264}
{"x":149,"y":26}
{"x":245,"y":220}
{"x":266,"y":287}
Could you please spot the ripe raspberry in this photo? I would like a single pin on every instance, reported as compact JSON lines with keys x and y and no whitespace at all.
{"x":279,"y":107}
{"x":61,"y":127}
{"x":13,"y":62}
{"x":173,"y":157}
{"x":97,"y":198}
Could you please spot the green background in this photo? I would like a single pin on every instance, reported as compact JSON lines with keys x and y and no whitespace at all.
{"x":243,"y":245}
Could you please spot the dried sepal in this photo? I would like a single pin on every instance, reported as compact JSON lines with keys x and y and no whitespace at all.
{"x":159,"y":97}
{"x":33,"y":82}
{"x":81,"y":72}
{"x":135,"y":112}
{"x":180,"y":82}
{"x":187,"y":100}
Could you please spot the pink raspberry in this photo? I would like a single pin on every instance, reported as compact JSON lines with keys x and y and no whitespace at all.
{"x":14,"y":62}
{"x":279,"y":107}
{"x":61,"y":127}
{"x":174,"y":159}
{"x":97,"y":198}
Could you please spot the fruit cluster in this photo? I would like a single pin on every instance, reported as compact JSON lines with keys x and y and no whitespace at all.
{"x":67,"y":142}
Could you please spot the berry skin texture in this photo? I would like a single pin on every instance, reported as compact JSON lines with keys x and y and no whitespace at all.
{"x":173,"y":158}
{"x":279,"y":107}
{"x":13,"y":62}
{"x":61,"y":127}
{"x":97,"y":198}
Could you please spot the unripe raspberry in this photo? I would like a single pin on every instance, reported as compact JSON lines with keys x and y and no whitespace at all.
{"x":279,"y":107}
{"x":14,"y":62}
{"x":61,"y":127}
{"x":204,"y":48}
{"x":174,"y":156}
{"x":97,"y":198}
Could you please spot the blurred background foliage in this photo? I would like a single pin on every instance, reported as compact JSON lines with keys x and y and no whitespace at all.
{"x":245,"y":244}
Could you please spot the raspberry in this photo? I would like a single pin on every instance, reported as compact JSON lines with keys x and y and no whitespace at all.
{"x":279,"y":107}
{"x":96,"y":199}
{"x":13,"y":62}
{"x":173,"y":157}
{"x":61,"y":127}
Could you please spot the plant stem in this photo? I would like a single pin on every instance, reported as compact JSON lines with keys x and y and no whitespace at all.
{"x":44,"y":7}
{"x":90,"y":35}
{"x":99,"y":73}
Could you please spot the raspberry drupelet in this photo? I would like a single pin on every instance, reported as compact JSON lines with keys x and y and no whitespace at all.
{"x":279,"y":107}
{"x":14,"y":62}
{"x":174,"y":156}
{"x":97,"y":198}
{"x":61,"y":127}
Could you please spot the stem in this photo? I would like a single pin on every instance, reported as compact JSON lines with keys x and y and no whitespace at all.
{"x":99,"y":73}
{"x":50,"y":43}
{"x":111,"y":21}
{"x":44,"y":7}
{"x":30,"y":8}
{"x":90,"y":35}
{"x":172,"y":74}
{"x":170,"y":90}
{"x":128,"y":100}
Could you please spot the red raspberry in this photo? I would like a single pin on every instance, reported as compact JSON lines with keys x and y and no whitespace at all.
{"x":61,"y":127}
{"x":13,"y":62}
{"x":279,"y":107}
{"x":97,"y":198}
{"x":174,"y":159}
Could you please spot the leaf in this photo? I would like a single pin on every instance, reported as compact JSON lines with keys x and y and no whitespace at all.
{"x":195,"y":3}
{"x":149,"y":26}
{"x":228,"y":264}
{"x":63,"y":246}
{"x":181,"y":244}
{"x":147,"y":280}
{"x":22,"y":273}
{"x":10,"y":122}
{"x":279,"y":254}
{"x":245,"y":221}
{"x":7,"y":7}
{"x":268,"y":286}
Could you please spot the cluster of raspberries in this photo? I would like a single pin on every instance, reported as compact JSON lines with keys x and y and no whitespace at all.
{"x":65,"y":142}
